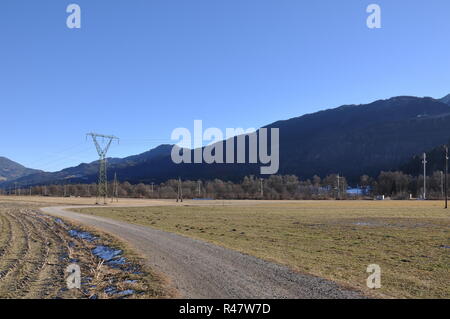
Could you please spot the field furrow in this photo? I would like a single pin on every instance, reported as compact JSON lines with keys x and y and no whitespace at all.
{"x":5,"y":235}
{"x":16,"y":255}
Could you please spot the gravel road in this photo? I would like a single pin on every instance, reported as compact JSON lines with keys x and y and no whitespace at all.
{"x":202,"y":270}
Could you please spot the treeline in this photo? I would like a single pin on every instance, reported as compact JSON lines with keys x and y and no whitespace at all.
{"x":395,"y":185}
{"x":398,"y":185}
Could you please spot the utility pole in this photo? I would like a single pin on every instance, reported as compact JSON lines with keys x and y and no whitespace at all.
{"x":180,"y":191}
{"x":15,"y":188}
{"x":262,"y":188}
{"x":152,"y":187}
{"x":424,"y":175}
{"x":442,"y":184}
{"x":338,"y":186}
{"x":102,"y":188}
{"x":115,"y":194}
{"x":65,"y":191}
{"x":30,"y":190}
{"x":446,"y":175}
{"x":199,"y":188}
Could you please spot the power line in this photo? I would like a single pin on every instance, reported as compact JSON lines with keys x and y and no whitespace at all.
{"x":75,"y":149}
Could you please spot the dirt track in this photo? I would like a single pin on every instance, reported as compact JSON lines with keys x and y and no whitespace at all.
{"x":201,"y":270}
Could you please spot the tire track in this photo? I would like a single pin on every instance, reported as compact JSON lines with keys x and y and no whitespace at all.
{"x":6,"y":228}
{"x":39,"y":250}
{"x":51,"y":269}
{"x":19,"y":249}
{"x":19,"y":276}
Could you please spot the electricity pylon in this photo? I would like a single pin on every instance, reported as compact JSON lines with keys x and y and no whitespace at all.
{"x":102,"y":188}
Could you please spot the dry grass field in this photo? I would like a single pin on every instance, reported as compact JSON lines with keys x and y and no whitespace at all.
{"x":43,"y":201}
{"x":35,"y":250}
{"x":336,"y":240}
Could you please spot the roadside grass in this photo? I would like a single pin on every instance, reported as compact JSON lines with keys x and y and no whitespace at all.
{"x":335,"y":240}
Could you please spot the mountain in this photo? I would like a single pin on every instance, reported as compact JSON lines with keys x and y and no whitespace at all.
{"x":10,"y":170}
{"x":446,"y":99}
{"x":87,"y":172}
{"x":351,"y":140}
{"x":156,"y":153}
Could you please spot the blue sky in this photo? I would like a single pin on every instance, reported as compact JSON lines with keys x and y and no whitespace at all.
{"x":140,"y":68}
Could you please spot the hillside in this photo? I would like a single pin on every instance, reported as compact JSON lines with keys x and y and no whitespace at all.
{"x":435,"y":162}
{"x":351,"y":140}
{"x":10,"y":170}
{"x":87,"y":172}
{"x":446,"y":99}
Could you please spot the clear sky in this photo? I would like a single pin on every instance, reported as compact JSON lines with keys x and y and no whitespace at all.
{"x":140,"y":68}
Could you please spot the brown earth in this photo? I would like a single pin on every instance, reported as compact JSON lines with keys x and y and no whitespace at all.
{"x":35,"y":250}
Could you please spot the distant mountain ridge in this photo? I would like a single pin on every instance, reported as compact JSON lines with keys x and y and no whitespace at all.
{"x":87,"y":172}
{"x":10,"y":170}
{"x":446,"y":99}
{"x":351,"y":140}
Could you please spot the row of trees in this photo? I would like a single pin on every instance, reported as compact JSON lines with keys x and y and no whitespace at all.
{"x":396,"y":185}
{"x":274,"y":187}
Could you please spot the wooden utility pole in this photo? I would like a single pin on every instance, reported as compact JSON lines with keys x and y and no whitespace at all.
{"x":180,"y":191}
{"x":339,"y":187}
{"x":424,"y":175}
{"x":115,"y":194}
{"x":262,"y":188}
{"x":446,"y":175}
